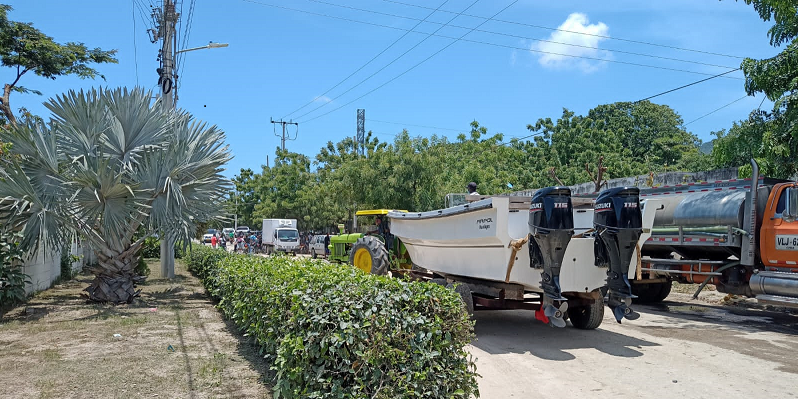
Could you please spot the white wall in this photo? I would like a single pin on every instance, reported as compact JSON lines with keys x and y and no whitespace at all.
{"x":45,"y":266}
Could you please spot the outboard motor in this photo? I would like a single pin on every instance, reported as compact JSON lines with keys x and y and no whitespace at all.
{"x":551,"y":226}
{"x":619,"y":223}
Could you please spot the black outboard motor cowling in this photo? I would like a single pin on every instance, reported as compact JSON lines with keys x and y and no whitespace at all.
{"x":551,"y":226}
{"x":618,"y":221}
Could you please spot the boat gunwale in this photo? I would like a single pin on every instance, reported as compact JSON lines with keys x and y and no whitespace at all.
{"x":439,"y":213}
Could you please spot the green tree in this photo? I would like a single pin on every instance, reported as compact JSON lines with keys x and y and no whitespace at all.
{"x":110,"y":162}
{"x":243,"y":200}
{"x":777,"y":78}
{"x":26,"y":49}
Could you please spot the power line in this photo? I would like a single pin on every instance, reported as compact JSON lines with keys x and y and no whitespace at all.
{"x":369,"y":61}
{"x":524,"y":37}
{"x":392,"y":61}
{"x":416,"y":65}
{"x":135,"y":50}
{"x":716,"y":110}
{"x":488,"y":43}
{"x":688,"y":85}
{"x":582,"y":33}
{"x":410,"y":124}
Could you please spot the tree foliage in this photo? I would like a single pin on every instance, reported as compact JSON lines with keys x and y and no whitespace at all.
{"x":416,"y":173}
{"x":773,"y":134}
{"x":26,"y":49}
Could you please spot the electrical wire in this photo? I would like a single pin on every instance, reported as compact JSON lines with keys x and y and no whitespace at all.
{"x":688,"y":85}
{"x":526,"y":37}
{"x":368,"y":62}
{"x":489,"y":43}
{"x":187,"y":34}
{"x":135,"y":50}
{"x":390,"y":63}
{"x":414,"y":66}
{"x":716,"y":110}
{"x":582,"y":33}
{"x":410,"y":124}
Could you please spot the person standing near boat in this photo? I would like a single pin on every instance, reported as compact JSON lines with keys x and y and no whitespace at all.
{"x":472,"y":188}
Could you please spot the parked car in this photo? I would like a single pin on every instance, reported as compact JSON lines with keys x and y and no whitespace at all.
{"x":227,"y":231}
{"x":242,"y":229}
{"x":317,"y":246}
{"x":206,"y":238}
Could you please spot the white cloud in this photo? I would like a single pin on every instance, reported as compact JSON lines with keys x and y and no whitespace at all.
{"x":322,"y":99}
{"x":575,"y":30}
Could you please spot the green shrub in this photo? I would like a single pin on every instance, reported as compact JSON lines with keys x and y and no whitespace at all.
{"x":331,"y":331}
{"x":67,"y":259}
{"x":151,"y":248}
{"x":12,"y":280}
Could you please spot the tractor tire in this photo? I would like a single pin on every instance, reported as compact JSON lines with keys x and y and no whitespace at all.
{"x":465,"y":296}
{"x":651,"y":293}
{"x":369,"y":255}
{"x":587,"y":317}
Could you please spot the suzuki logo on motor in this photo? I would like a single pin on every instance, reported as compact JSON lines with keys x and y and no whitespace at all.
{"x":536,"y":207}
{"x":604,"y":206}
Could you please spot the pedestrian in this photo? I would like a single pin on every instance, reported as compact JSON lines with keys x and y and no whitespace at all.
{"x":214,"y":240}
{"x":472,"y":188}
{"x":327,"y":244}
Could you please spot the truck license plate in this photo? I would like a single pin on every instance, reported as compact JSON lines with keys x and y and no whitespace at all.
{"x":787,"y":242}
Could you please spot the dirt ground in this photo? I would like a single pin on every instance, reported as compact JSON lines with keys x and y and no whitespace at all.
{"x":172,"y":344}
{"x":681,"y":348}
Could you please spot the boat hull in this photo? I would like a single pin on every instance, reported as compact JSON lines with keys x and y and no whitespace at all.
{"x":474,"y":241}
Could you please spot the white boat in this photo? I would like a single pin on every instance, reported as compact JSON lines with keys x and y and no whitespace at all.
{"x":473,"y":241}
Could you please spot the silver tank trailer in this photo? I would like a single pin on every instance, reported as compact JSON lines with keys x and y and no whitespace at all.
{"x":702,"y":209}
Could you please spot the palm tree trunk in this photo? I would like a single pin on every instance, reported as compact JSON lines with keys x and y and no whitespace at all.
{"x":115,"y":280}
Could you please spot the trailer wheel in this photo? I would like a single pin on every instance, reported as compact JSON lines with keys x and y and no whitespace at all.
{"x":369,"y":255}
{"x":440,"y":281}
{"x":587,"y":317}
{"x":465,"y":296}
{"x":651,"y":293}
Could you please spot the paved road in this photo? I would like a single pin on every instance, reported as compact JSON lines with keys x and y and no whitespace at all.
{"x":679,"y":349}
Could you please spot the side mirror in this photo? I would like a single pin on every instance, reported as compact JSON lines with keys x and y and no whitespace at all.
{"x":791,"y":205}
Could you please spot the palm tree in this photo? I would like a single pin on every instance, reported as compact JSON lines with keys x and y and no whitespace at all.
{"x":109,"y":163}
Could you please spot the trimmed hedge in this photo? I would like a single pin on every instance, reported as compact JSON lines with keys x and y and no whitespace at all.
{"x":331,"y":331}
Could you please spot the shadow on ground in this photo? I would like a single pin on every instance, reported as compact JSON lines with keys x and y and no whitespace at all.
{"x":517,"y":331}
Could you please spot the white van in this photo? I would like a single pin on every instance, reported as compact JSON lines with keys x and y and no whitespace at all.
{"x":317,"y":247}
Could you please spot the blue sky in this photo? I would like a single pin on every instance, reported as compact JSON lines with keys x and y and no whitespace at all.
{"x":279,"y":60}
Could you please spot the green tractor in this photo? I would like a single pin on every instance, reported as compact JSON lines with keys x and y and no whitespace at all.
{"x":371,"y":248}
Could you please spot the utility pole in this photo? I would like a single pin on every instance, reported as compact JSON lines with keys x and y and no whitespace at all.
{"x":361,"y":131}
{"x":283,"y":137}
{"x":166,"y":31}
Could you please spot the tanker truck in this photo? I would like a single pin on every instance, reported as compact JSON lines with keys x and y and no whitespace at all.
{"x":740,"y":235}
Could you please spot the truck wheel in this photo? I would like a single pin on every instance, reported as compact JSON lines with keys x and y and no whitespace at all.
{"x":587,"y":317}
{"x":465,"y":296}
{"x":369,"y":255}
{"x":651,"y":293}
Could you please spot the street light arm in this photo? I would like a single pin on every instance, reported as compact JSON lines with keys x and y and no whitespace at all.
{"x":207,"y":46}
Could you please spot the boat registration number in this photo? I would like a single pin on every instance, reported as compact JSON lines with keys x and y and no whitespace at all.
{"x":787,"y":242}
